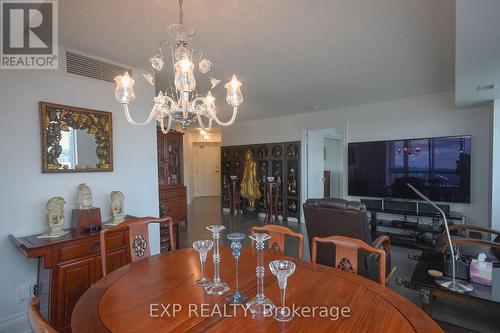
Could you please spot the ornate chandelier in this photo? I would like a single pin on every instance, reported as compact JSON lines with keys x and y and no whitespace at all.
{"x":180,"y":103}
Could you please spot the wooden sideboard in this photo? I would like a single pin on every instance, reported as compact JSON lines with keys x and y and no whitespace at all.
{"x":69,"y":265}
{"x":174,"y":202}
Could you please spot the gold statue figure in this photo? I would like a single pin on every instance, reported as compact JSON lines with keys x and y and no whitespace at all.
{"x":249,"y":184}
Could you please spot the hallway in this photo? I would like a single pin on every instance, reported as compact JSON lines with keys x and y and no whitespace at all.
{"x":205,"y":211}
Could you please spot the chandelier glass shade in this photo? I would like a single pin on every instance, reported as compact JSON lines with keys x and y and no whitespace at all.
{"x":180,"y":103}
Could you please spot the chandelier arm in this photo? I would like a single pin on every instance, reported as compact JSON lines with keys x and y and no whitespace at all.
{"x":162,"y":49}
{"x":173,"y":103}
{"x":172,"y":56}
{"x":200,"y":122}
{"x":132,"y":121}
{"x":198,"y":98}
{"x":162,"y":125}
{"x":230,"y":122}
{"x":201,"y":56}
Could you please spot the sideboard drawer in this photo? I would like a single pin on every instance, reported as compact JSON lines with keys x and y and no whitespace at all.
{"x":91,"y":247}
{"x":170,"y":193}
{"x":176,"y":208}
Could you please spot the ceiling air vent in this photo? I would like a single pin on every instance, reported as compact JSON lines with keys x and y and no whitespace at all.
{"x":486,"y":87}
{"x":81,"y":65}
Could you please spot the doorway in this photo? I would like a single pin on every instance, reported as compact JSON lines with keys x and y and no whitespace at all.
{"x":332,"y":179}
{"x":323,"y":162}
{"x":206,"y":169}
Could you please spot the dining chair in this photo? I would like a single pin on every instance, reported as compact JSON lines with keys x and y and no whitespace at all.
{"x":346,"y":253}
{"x":277,"y":240}
{"x":138,"y":237}
{"x":472,"y":240}
{"x":36,"y":321}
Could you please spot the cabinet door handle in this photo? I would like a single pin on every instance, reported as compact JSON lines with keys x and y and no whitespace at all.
{"x":95,"y":246}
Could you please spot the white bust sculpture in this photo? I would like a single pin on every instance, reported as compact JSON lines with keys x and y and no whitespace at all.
{"x":116,"y":207}
{"x":55,"y":217}
{"x":84,"y":197}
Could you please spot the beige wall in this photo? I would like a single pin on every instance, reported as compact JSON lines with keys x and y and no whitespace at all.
{"x":413,"y":117}
{"x":24,"y":190}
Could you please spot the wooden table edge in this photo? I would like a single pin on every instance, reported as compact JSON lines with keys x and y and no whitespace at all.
{"x":400,"y":303}
{"x":87,"y":306}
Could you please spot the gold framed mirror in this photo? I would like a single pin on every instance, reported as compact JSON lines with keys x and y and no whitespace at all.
{"x":75,"y":139}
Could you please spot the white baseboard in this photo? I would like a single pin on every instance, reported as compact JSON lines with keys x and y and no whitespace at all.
{"x":16,"y":323}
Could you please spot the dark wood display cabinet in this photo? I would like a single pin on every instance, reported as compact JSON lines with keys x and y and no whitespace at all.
{"x":279,"y":160}
{"x":172,"y":192}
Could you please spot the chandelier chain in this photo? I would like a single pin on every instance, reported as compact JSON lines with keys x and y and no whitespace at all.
{"x":181,"y":13}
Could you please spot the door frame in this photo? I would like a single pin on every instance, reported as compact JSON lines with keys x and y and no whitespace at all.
{"x":339,"y":139}
{"x":303,"y":159}
{"x":196,"y":145}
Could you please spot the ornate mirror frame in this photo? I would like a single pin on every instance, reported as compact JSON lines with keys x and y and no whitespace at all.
{"x":55,"y":118}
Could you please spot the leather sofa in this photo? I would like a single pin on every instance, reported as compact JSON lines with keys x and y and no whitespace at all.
{"x":330,"y":216}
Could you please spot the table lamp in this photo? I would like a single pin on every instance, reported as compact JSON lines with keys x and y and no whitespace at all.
{"x":453,"y":284}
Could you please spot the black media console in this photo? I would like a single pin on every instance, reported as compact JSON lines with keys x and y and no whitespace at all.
{"x":409,"y":223}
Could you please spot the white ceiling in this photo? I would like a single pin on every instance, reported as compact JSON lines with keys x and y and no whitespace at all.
{"x":292,"y":56}
{"x":477,"y":51}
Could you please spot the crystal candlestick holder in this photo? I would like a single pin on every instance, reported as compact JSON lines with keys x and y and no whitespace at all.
{"x":202,"y":247}
{"x":260,"y":304}
{"x":216,"y":287}
{"x":236,"y":297}
{"x":282,"y":269}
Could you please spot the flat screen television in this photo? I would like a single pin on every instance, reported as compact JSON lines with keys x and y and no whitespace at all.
{"x":438,"y":167}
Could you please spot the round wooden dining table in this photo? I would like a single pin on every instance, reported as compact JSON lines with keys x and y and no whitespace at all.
{"x":159,"y":294}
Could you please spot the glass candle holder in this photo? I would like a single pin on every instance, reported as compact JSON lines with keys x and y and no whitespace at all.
{"x":260,"y":304}
{"x":202,"y":247}
{"x":217,"y":287}
{"x":236,"y":297}
{"x":282,"y":269}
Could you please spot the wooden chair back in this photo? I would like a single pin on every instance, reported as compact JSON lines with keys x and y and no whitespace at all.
{"x":346,"y":253}
{"x":277,"y":240}
{"x":36,"y":321}
{"x":138,"y":237}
